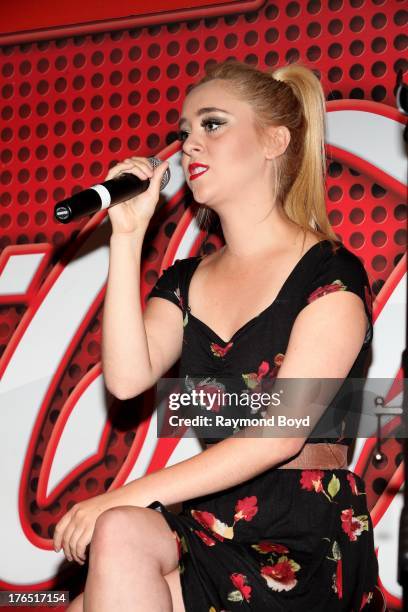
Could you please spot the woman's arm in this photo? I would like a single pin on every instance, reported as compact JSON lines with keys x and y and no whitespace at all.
{"x":125,"y":352}
{"x":132,"y":358}
{"x":137,"y":347}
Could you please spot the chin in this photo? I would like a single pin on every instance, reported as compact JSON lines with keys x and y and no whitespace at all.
{"x":199,"y":196}
{"x":201,"y":201}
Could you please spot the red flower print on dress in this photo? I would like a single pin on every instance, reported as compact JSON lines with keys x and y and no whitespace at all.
{"x":264,"y":377}
{"x":367,"y":597}
{"x":336,"y":285}
{"x":220,"y":351}
{"x":353,"y":485}
{"x":353,"y":526}
{"x":266,"y":547}
{"x":281,"y":575}
{"x":339,"y":579}
{"x":243,"y":591}
{"x":311,"y":480}
{"x":246,"y":509}
{"x":209,"y":521}
{"x":205,"y":538}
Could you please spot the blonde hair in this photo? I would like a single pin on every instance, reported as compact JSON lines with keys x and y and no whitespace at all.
{"x":291,"y":96}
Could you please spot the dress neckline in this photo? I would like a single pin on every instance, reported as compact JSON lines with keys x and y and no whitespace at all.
{"x":195,"y":263}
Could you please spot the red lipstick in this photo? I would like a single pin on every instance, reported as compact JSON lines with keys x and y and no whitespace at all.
{"x":191,"y":168}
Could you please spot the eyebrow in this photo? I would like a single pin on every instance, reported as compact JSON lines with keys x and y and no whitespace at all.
{"x":202,"y":111}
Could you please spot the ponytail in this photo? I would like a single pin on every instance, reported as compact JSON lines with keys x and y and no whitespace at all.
{"x":305,"y":200}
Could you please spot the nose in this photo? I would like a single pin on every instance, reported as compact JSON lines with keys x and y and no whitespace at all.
{"x":192,"y":144}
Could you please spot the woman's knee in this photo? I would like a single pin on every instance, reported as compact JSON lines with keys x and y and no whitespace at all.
{"x":113,"y":527}
{"x":134,"y":532}
{"x":114,"y":519}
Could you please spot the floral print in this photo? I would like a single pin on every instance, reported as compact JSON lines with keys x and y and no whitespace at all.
{"x":338,"y":582}
{"x":278,"y":565}
{"x":265,"y":374}
{"x":265,"y":547}
{"x":243,"y":589}
{"x":353,"y":526}
{"x":245,"y":509}
{"x":336,"y":285}
{"x":353,"y":485}
{"x":278,"y":572}
{"x":220,"y":351}
{"x":281,"y":575}
{"x":205,"y":538}
{"x":209,"y":521}
{"x":311,"y":480}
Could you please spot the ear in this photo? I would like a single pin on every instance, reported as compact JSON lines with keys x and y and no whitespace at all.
{"x":277,"y":141}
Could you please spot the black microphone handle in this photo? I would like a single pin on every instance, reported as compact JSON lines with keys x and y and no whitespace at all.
{"x":100,"y":197}
{"x":106,"y":194}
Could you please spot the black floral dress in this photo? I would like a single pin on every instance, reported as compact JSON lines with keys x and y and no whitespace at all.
{"x":288,"y":539}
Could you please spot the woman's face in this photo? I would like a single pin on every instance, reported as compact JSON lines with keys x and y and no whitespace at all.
{"x":223,"y":140}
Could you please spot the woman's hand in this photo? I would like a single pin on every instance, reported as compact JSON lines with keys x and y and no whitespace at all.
{"x":74,"y":531}
{"x":136,"y":213}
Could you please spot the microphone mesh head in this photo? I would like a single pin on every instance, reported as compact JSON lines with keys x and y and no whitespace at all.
{"x":154,"y":162}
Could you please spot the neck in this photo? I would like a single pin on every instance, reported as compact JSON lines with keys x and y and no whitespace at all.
{"x":249,"y":238}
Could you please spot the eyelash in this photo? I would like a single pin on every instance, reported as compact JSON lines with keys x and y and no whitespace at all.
{"x":182,"y":134}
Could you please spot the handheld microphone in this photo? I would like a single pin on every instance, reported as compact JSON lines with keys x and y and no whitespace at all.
{"x":107,"y":194}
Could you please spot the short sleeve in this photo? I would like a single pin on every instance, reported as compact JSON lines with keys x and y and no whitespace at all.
{"x":341,"y":271}
{"x":168,"y":285}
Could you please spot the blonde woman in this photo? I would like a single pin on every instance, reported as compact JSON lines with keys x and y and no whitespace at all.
{"x":267,"y":523}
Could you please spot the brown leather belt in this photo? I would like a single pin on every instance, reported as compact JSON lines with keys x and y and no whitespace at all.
{"x":320,"y":456}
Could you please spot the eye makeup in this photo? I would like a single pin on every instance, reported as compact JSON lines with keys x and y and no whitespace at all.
{"x":182,"y":135}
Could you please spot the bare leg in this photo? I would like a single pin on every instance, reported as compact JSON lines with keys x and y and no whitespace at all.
{"x":173,"y":581}
{"x":132,"y":549}
{"x":77,"y":604}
